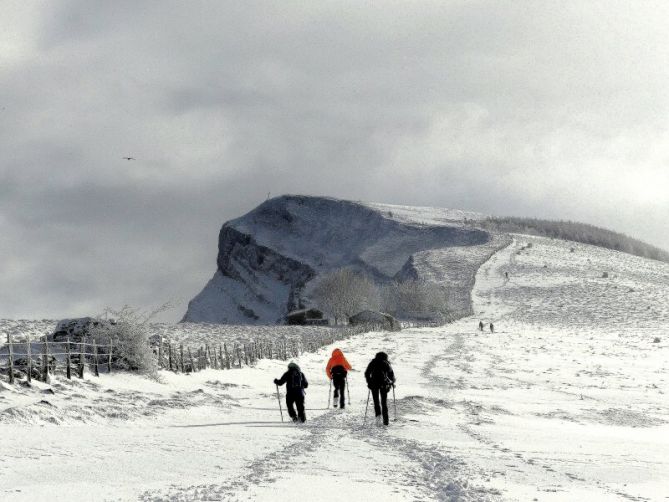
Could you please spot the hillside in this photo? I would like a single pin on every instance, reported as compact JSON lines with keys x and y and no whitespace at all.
{"x":566,"y":400}
{"x":577,"y":232}
{"x":270,"y":259}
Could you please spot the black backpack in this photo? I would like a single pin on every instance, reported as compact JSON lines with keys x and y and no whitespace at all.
{"x":379,"y":375}
{"x":295,"y":379}
{"x":338,"y":371}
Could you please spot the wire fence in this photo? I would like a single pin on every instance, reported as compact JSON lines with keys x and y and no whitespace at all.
{"x":227,"y":355}
{"x":40,"y":359}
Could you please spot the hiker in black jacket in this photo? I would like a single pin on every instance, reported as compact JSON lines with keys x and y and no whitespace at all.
{"x":380,"y":378}
{"x":295,"y":382}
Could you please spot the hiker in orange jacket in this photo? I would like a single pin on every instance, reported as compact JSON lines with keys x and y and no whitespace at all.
{"x":336,"y":371}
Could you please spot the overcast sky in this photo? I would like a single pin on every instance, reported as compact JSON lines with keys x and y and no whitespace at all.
{"x":547,"y":109}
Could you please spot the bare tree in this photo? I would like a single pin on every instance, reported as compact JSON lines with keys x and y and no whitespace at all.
{"x":408,"y":298}
{"x":345,"y":292}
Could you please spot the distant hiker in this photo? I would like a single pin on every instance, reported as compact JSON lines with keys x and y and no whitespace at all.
{"x":480,"y":325}
{"x":336,"y":370}
{"x":506,"y":274}
{"x":492,"y":328}
{"x":380,"y":378}
{"x":295,"y":382}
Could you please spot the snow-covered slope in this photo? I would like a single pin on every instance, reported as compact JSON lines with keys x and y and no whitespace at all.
{"x":565,"y":401}
{"x":269,"y":258}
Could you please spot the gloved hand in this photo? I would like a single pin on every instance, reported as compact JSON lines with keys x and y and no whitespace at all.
{"x":276,"y":381}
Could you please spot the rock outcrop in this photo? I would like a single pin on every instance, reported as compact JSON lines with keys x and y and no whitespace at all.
{"x":270,"y":258}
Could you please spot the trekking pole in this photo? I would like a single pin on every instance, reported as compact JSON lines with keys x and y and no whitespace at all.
{"x":369,"y":391}
{"x":278,"y":398}
{"x":348,"y":390}
{"x":330,"y":393}
{"x":394,"y":403}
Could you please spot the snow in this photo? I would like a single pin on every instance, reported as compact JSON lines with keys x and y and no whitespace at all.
{"x":565,"y":401}
{"x":425,"y":214}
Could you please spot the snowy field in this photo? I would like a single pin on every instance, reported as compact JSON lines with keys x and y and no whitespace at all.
{"x":566,"y":401}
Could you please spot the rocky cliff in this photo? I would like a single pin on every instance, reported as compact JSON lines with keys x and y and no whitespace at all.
{"x":269,"y":259}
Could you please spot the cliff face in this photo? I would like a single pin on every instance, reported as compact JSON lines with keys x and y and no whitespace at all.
{"x":270,"y":258}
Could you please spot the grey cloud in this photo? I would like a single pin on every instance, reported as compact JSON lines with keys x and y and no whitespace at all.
{"x":547,"y":109}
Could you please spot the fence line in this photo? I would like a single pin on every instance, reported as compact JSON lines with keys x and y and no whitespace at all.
{"x":40,"y":359}
{"x":247,"y":353}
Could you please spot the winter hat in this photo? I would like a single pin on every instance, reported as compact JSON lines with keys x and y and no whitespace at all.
{"x":293,"y":366}
{"x":336,"y":352}
{"x":382,"y":356}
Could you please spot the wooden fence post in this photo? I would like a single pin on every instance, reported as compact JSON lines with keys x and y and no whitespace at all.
{"x":227,"y":356}
{"x":68,"y":360}
{"x":45,"y":363}
{"x":214,"y":362}
{"x":30,"y":361}
{"x":109,"y":358}
{"x":95,"y":355}
{"x":82,"y":358}
{"x":11,"y":358}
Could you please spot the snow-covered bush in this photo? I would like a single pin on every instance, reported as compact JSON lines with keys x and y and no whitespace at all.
{"x":130,"y":338}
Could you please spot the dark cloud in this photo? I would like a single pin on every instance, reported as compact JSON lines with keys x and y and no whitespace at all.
{"x":547,"y":109}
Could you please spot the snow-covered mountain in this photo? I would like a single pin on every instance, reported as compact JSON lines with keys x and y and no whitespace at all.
{"x":269,"y":258}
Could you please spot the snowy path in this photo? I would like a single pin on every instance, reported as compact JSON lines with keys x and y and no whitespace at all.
{"x":553,"y":406}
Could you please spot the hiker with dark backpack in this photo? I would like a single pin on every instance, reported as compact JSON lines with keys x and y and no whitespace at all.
{"x":295,"y":382}
{"x":380,"y":378}
{"x":336,"y":370}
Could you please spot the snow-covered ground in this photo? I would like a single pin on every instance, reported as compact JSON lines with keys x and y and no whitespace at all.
{"x":565,"y":401}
